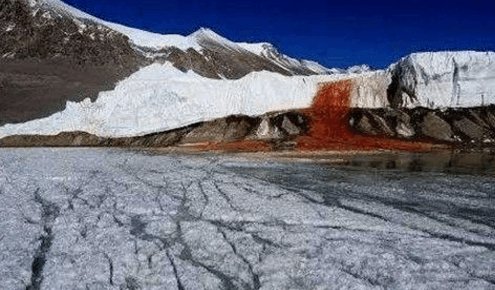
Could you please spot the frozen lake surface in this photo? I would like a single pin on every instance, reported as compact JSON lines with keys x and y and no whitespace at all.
{"x":112,"y":219}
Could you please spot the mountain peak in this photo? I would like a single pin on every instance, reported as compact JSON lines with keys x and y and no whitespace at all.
{"x":204,"y":32}
{"x":207,"y":35}
{"x":203,"y":51}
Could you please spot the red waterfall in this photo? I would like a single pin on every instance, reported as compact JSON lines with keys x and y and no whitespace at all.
{"x":330,"y":129}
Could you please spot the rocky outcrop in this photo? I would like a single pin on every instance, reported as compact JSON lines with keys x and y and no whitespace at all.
{"x":433,"y":126}
{"x":460,"y":127}
{"x":36,"y":88}
{"x":469,"y":128}
{"x":288,"y":125}
{"x":40,"y":33}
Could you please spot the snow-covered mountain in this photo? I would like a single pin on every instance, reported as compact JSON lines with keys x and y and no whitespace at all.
{"x":204,"y":39}
{"x":68,"y":71}
{"x":204,"y":42}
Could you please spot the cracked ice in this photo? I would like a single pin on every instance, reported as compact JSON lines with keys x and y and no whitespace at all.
{"x":111,"y":219}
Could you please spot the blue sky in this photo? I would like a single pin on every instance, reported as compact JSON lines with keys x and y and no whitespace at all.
{"x":334,"y":33}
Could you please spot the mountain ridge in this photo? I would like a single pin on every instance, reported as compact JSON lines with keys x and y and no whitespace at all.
{"x":197,"y":40}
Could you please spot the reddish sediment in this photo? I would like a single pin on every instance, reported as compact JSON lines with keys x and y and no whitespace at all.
{"x":330,"y":129}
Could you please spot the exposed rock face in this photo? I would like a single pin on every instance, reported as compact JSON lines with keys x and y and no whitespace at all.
{"x":382,"y":122}
{"x":47,"y":59}
{"x":222,"y":130}
{"x":36,"y":88}
{"x":230,"y":129}
{"x":38,"y":32}
{"x":435,"y":127}
{"x":292,"y":127}
{"x":463,"y":126}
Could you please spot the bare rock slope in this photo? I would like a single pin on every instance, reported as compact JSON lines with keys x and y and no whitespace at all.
{"x":47,"y":59}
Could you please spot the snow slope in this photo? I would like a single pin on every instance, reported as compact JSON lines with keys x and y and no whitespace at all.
{"x":151,"y":40}
{"x":447,"y":79}
{"x":138,"y":37}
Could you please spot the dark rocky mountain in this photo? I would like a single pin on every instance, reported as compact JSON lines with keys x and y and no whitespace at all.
{"x":36,"y":32}
{"x":46,"y":60}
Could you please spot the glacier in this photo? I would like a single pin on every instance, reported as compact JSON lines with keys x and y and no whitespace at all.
{"x":446,"y":79}
{"x":160,"y":97}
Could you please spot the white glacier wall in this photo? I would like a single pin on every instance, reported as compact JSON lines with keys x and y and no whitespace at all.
{"x":446,"y":79}
{"x":159,"y":97}
{"x":370,"y":90}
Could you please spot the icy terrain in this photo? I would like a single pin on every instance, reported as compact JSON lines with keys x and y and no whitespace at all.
{"x":108,"y":219}
{"x":160,"y":97}
{"x":447,"y":79}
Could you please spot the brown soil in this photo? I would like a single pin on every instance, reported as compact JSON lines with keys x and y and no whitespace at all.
{"x":237,"y":146}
